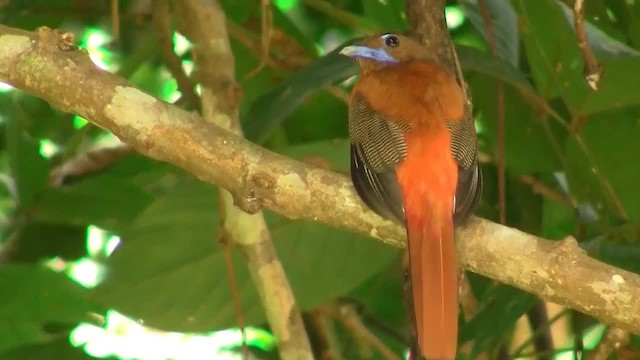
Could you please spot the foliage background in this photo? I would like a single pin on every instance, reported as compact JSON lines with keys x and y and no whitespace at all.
{"x":57,"y":238}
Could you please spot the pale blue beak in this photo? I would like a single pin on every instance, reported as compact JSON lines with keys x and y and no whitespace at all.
{"x":364,"y":52}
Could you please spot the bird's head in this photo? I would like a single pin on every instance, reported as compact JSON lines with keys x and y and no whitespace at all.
{"x":380,"y":51}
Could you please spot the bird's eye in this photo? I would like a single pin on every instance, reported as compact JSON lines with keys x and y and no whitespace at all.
{"x":392,"y":41}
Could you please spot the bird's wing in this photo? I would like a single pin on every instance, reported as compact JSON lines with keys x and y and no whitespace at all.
{"x":465,"y":151}
{"x":377,"y":146}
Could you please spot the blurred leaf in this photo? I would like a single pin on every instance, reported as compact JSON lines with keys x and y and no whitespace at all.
{"x":523,"y":128}
{"x":13,"y":334}
{"x":382,"y":296}
{"x":601,"y":43}
{"x":500,"y":307}
{"x":33,"y":293}
{"x":332,"y":154}
{"x":624,"y":256}
{"x":29,"y":170}
{"x":611,"y":138}
{"x":557,"y":65}
{"x":388,"y":14}
{"x":106,"y":201}
{"x":504,"y":23}
{"x":58,"y":349}
{"x":321,"y":117}
{"x":40,"y":241}
{"x":239,"y":10}
{"x":289,"y":28}
{"x":171,"y":273}
{"x":558,"y":220}
{"x":269,"y":110}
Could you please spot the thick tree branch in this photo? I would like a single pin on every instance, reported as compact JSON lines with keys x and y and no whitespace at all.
{"x":557,"y":271}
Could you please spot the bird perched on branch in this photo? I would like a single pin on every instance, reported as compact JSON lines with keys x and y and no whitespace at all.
{"x":414,"y":158}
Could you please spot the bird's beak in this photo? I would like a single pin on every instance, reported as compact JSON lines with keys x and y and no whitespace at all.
{"x":365,"y":52}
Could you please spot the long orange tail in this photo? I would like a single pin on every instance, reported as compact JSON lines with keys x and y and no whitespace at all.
{"x":434,"y":279}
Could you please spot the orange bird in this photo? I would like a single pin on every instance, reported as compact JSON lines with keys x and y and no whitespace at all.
{"x":414,"y":158}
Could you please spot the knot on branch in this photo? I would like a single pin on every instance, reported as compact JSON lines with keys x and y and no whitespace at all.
{"x":256,"y":194}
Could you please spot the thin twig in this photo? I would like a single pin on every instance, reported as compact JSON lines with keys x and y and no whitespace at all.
{"x":545,"y":190}
{"x":162,"y":25}
{"x":350,"y":320}
{"x":266,"y":26}
{"x":233,"y":283}
{"x":614,"y":339}
{"x":341,"y":15}
{"x":593,"y":70}
{"x":326,"y":339}
{"x":542,"y":339}
{"x":88,"y":162}
{"x":204,"y":25}
{"x":115,"y":19}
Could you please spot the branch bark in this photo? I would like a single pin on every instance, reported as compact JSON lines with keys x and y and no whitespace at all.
{"x":557,"y":271}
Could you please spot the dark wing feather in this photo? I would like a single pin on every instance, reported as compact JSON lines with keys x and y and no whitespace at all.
{"x":377,"y":146}
{"x":464,"y":147}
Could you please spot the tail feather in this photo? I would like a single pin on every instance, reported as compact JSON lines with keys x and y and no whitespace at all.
{"x":434,"y":279}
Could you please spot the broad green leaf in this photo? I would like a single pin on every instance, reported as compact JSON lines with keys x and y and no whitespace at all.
{"x":29,"y":170}
{"x":106,"y":201}
{"x":388,"y":14}
{"x":14,"y":334}
{"x":290,"y":28}
{"x":504,"y":23}
{"x":558,"y":220}
{"x":500,"y":307}
{"x":601,"y":43}
{"x":522,"y":128}
{"x":35,"y":294}
{"x":557,"y":66}
{"x":269,"y":110}
{"x":609,"y":176}
{"x":57,"y":349}
{"x":321,"y":117}
{"x":551,"y":49}
{"x":40,"y":241}
{"x":332,"y":154}
{"x":473,"y":60}
{"x":381,"y":296}
{"x":171,"y":272}
{"x":622,"y":255}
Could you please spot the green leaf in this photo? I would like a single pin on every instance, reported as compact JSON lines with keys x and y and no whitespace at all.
{"x":270,"y":110}
{"x":39,"y":241}
{"x":500,"y":307}
{"x":29,"y":170}
{"x":504,"y":23}
{"x":13,"y":334}
{"x":611,"y":139}
{"x":522,"y":128}
{"x":388,"y":14}
{"x":557,"y":65}
{"x":38,"y":294}
{"x":58,"y":349}
{"x":624,"y":256}
{"x":333,"y":154}
{"x":171,"y":273}
{"x":107,"y":201}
